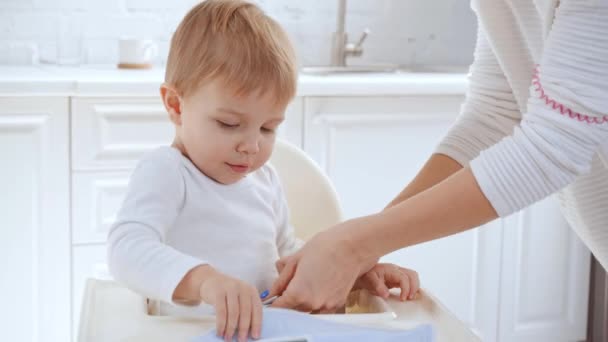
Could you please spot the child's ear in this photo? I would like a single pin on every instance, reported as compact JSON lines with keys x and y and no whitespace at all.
{"x":172,"y":102}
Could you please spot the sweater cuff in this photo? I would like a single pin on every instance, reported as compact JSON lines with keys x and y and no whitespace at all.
{"x":488,"y":180}
{"x":510,"y":177}
{"x":461,"y":156}
{"x":175,"y":272}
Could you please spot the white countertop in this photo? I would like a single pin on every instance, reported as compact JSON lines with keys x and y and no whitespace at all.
{"x":94,"y":80}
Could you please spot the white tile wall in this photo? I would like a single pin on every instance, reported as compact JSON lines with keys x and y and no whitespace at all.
{"x":405,"y":32}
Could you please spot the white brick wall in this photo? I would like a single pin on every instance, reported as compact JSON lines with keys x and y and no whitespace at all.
{"x":405,"y":32}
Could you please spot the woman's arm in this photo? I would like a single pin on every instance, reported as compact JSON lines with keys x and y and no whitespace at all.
{"x":488,"y":114}
{"x":452,"y":206}
{"x":436,"y":169}
{"x":548,"y":151}
{"x":553,"y":145}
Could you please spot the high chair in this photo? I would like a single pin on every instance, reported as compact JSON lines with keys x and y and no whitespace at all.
{"x":313,"y":202}
{"x":107,"y":306}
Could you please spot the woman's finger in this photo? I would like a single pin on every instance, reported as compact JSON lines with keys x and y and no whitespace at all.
{"x":285,"y":276}
{"x":295,"y":299}
{"x":280,"y":264}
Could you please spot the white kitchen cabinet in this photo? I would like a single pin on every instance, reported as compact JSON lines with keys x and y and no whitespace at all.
{"x":35,"y":230}
{"x":113,"y":133}
{"x":68,"y":154}
{"x":545,"y":277}
{"x":522,"y":278}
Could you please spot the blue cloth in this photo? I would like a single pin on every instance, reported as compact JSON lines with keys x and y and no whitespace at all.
{"x":288,"y":325}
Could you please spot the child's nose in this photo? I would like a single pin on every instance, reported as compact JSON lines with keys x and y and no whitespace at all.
{"x":250,"y":145}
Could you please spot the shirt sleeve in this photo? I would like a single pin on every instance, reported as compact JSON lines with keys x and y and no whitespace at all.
{"x":489,"y":112}
{"x":136,"y":252}
{"x":566,"y":120}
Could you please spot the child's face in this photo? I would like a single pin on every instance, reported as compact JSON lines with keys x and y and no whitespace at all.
{"x":224,"y":135}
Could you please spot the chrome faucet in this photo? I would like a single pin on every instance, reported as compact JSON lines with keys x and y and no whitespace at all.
{"x":341,"y":48}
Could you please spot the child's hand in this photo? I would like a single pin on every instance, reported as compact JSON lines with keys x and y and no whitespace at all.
{"x":383,"y":277}
{"x":235,"y":302}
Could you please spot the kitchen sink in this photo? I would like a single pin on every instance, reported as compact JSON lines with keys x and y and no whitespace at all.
{"x":382,"y":69}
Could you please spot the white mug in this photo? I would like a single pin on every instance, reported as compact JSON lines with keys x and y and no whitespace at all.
{"x":136,"y":52}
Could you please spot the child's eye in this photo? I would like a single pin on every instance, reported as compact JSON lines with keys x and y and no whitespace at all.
{"x":227,"y":125}
{"x":268,"y":130}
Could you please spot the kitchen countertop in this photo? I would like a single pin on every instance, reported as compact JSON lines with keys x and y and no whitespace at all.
{"x":96,"y":80}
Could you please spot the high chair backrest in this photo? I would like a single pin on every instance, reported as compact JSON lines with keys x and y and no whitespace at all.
{"x":313,"y":201}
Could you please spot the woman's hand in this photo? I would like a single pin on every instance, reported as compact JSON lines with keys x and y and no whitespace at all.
{"x":320,"y":276}
{"x":237,"y":305}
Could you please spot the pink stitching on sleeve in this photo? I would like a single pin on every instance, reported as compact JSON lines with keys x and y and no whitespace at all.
{"x":560,"y":107}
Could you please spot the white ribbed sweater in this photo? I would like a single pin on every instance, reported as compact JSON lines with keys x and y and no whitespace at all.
{"x":528,"y":136}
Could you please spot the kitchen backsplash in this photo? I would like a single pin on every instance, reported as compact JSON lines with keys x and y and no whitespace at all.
{"x":406,"y":32}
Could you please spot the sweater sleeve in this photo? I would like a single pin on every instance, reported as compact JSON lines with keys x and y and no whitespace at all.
{"x":489,"y":112}
{"x":137,"y":254}
{"x":566,"y":120}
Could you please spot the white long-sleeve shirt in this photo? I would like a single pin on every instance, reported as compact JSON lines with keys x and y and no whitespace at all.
{"x":527,"y":135}
{"x":174,"y":218}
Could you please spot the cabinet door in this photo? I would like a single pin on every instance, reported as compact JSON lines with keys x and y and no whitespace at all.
{"x":545,"y":277}
{"x":35,"y":230}
{"x":371,"y":147}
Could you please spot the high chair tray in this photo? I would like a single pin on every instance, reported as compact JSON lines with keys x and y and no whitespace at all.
{"x":113,"y":313}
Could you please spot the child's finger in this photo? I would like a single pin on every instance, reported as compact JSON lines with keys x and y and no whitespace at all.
{"x":220,"y":315}
{"x":256,"y":318}
{"x":404,"y":283}
{"x":414,"y":282}
{"x":382,"y":290}
{"x":232,"y":302}
{"x":377,"y":284}
{"x":244,"y":319}
{"x":415,"y":286}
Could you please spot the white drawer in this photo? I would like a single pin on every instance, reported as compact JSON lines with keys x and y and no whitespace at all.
{"x":96,"y":198}
{"x":113,"y":133}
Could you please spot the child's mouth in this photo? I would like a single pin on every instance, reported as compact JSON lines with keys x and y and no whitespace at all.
{"x":239,"y":168}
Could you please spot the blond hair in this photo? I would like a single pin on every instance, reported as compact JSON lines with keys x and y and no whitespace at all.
{"x":235,"y":42}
